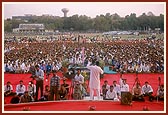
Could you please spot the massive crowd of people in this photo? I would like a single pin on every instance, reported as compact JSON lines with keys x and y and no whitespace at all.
{"x":122,"y":55}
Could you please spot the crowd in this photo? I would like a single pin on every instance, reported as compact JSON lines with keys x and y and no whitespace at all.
{"x":25,"y":93}
{"x":122,"y":55}
{"x":77,"y":91}
{"x":138,"y":92}
{"x":46,"y":57}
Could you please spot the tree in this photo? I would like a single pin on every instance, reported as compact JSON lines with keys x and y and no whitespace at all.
{"x":100,"y":23}
{"x":8,"y":26}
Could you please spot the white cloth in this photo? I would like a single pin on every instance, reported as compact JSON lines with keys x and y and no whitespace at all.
{"x":117,"y":89}
{"x":107,"y":87}
{"x":20,"y":89}
{"x":147,"y":89}
{"x":30,"y":89}
{"x":10,"y":88}
{"x":125,"y":88}
{"x":40,"y":74}
{"x":92,"y":94}
{"x":95,"y":72}
{"x":23,"y":66}
{"x":79,"y":78}
{"x":111,"y":95}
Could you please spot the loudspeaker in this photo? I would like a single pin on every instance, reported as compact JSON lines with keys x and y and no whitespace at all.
{"x":126,"y":98}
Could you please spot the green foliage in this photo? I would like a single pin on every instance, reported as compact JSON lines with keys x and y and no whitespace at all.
{"x":100,"y":23}
{"x":8,"y":26}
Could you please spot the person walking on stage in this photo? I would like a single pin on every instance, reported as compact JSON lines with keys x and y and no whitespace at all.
{"x":94,"y":82}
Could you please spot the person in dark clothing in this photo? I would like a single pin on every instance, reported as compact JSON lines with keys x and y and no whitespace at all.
{"x":160,"y":93}
{"x":48,"y":70}
{"x":105,"y":88}
{"x":15,"y":99}
{"x":26,"y":98}
{"x":54,"y":86}
{"x":63,"y":93}
{"x":66,"y":85}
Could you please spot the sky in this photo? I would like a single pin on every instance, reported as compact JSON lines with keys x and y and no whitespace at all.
{"x":90,"y":9}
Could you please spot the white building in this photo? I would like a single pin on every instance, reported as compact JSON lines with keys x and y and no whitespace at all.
{"x":29,"y":28}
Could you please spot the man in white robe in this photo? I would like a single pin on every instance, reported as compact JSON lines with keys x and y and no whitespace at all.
{"x":94,"y":82}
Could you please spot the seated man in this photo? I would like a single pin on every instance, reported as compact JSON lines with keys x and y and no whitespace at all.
{"x":46,"y":94}
{"x":20,"y":88}
{"x":105,"y":88}
{"x":160,"y":93}
{"x":137,"y":93}
{"x":26,"y":98}
{"x":62,"y":93}
{"x":147,"y":91}
{"x":8,"y":89}
{"x":31,"y":88}
{"x":66,"y":85}
{"x":117,"y":88}
{"x":124,"y":86}
{"x":111,"y":94}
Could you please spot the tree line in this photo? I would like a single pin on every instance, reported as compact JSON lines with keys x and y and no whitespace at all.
{"x":101,"y":23}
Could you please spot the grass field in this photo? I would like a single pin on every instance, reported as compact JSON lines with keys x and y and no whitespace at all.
{"x":89,"y":35}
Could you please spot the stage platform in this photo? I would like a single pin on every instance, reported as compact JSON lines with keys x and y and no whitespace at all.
{"x":84,"y":105}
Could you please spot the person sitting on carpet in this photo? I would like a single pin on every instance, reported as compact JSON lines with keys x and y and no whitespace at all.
{"x":46,"y":94}
{"x":20,"y":88}
{"x":117,"y":88}
{"x":31,"y":88}
{"x":15,"y":99}
{"x":137,"y":93}
{"x":147,"y":90}
{"x":26,"y":98}
{"x":160,"y":93}
{"x":111,"y":94}
{"x":65,"y":85}
{"x":8,"y":89}
{"x":63,"y":93}
{"x":124,"y":86}
{"x":105,"y":88}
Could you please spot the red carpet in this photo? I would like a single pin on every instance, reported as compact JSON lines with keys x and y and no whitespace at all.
{"x":83,"y":105}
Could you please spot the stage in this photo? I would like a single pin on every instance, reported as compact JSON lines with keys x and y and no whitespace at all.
{"x":83,"y":105}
